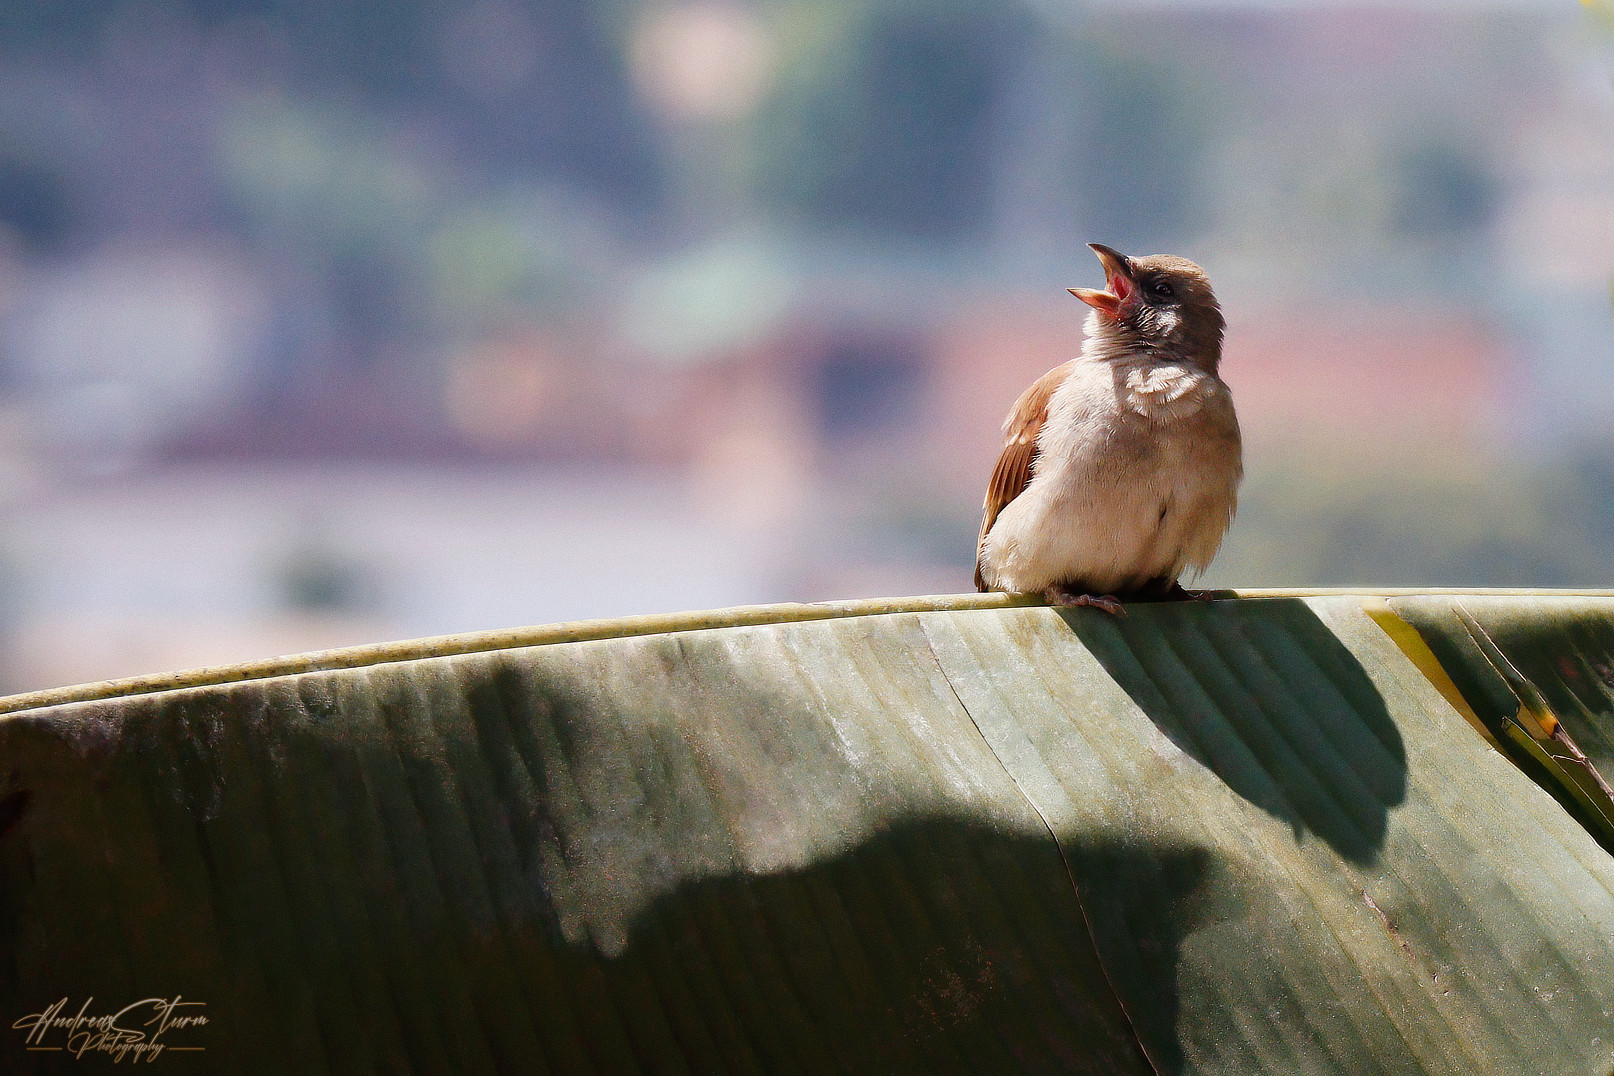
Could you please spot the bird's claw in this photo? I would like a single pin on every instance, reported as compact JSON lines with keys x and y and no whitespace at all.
{"x":1176,"y":592}
{"x":1066,"y":599}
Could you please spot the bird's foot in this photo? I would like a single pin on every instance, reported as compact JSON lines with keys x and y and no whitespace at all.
{"x":1065,"y":598}
{"x":1171,"y":592}
{"x":1179,"y":593}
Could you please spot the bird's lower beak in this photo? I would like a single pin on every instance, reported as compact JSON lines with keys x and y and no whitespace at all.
{"x":1118,"y":277}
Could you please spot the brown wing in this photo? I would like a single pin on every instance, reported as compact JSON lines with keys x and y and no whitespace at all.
{"x":1013,"y":471}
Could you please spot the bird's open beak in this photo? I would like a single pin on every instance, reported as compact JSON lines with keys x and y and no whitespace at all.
{"x":1117,"y":276}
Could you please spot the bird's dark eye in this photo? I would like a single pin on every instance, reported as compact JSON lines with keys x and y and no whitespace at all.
{"x":1162,"y":289}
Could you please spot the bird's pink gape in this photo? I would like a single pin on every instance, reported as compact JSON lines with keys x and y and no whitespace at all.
{"x":1117,"y":278}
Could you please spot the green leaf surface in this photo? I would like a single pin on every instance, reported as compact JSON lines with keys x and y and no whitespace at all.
{"x":943,"y":835}
{"x":1563,"y":644}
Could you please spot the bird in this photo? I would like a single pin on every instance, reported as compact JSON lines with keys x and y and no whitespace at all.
{"x":1120,"y":469}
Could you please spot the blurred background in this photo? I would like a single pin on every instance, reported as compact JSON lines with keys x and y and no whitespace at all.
{"x":328,"y":322}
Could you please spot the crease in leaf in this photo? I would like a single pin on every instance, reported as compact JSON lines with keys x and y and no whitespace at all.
{"x":1596,"y":812}
{"x":1533,"y":738}
{"x":1531,"y":701}
{"x":1570,"y":766}
{"x":1405,"y":636}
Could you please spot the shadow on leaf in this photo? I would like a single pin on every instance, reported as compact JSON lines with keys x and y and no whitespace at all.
{"x":1264,"y":694}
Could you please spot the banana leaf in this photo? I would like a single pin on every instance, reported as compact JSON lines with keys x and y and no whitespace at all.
{"x":1540,"y":673}
{"x":1252,"y":835}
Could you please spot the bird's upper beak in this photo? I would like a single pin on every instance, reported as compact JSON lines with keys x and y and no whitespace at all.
{"x":1118,"y":277}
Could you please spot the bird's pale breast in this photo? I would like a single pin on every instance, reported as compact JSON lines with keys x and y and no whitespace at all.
{"x":1136,"y":480}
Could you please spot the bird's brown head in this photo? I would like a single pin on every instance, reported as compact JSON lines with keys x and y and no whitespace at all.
{"x":1160,"y":302}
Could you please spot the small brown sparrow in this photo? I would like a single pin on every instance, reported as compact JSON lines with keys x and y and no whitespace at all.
{"x":1120,"y":469}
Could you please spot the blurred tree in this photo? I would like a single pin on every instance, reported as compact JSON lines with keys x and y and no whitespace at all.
{"x":1445,"y":192}
{"x":46,"y":25}
{"x":523,"y":86}
{"x":884,"y":122}
{"x":330,"y":197}
{"x":924,"y":119}
{"x":1425,"y":522}
{"x":34,"y":204}
{"x":539,"y":87}
{"x":1141,"y":144}
{"x":521,"y":254}
{"x":868,"y":383}
{"x":316,"y":574}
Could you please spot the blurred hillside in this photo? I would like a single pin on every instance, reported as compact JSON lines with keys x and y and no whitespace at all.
{"x":324,"y":323}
